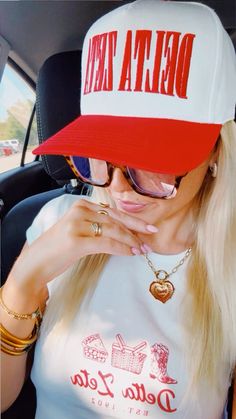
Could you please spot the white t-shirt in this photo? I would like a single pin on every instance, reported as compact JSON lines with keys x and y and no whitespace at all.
{"x":124,"y":354}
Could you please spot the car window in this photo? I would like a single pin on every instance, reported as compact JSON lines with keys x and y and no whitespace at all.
{"x":17,"y":100}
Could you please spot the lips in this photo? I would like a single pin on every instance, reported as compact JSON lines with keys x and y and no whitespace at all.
{"x":130,"y":206}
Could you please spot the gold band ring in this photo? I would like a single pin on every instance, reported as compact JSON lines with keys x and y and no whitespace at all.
{"x":97,"y":229}
{"x":103,"y":212}
{"x":104,"y":205}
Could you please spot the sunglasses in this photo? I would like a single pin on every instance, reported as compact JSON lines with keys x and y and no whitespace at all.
{"x":100,"y":173}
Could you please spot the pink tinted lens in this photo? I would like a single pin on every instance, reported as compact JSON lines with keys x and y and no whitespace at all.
{"x":157,"y":184}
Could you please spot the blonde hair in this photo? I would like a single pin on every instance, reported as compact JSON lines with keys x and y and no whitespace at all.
{"x":211,"y":273}
{"x":212,"y":270}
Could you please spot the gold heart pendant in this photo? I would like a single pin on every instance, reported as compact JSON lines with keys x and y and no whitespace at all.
{"x":162,"y":290}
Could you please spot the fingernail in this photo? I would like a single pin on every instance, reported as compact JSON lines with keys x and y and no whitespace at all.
{"x":145,"y":248}
{"x":135,"y":251}
{"x":152,"y":228}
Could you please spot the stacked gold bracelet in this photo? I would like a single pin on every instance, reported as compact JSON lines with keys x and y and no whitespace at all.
{"x":11,"y":344}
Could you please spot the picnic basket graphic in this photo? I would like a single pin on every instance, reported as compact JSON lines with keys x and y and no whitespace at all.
{"x":126,"y":357}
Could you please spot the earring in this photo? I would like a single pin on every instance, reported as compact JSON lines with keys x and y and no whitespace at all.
{"x":214,"y":169}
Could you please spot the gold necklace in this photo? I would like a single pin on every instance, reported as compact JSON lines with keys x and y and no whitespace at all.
{"x":161,"y":288}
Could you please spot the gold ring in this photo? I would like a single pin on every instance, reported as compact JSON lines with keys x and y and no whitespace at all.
{"x":104,"y":205}
{"x":97,"y":229}
{"x":103,"y":212}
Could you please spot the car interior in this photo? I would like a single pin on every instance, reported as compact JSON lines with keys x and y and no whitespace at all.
{"x":44,"y":40}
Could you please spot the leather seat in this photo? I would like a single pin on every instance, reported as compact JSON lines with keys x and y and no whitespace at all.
{"x":57,"y":104}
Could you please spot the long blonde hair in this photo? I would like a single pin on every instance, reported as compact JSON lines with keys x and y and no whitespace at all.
{"x":211,"y":273}
{"x":212,"y":270}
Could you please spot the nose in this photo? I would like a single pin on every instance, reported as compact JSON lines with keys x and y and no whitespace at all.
{"x":119,"y":183}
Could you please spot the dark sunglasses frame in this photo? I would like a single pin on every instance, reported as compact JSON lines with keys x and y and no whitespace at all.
{"x":124,"y":169}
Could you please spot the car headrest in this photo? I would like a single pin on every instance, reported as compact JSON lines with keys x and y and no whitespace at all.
{"x":57,"y":104}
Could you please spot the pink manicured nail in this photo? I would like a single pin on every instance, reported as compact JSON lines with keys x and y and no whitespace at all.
{"x":152,"y":228}
{"x":135,"y":251}
{"x":145,"y":248}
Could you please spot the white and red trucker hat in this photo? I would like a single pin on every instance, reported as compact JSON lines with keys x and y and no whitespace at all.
{"x":158,"y":82}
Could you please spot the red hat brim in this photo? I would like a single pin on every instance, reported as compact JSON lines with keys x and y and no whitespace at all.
{"x":159,"y":145}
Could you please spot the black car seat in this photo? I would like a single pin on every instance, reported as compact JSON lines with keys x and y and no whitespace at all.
{"x":57,"y":104}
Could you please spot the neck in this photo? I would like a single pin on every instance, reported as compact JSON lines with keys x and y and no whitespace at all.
{"x":176,"y":233}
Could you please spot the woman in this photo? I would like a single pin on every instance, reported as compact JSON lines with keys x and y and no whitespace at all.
{"x":137,"y":282}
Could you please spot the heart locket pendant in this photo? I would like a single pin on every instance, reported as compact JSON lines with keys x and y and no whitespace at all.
{"x":161,"y":288}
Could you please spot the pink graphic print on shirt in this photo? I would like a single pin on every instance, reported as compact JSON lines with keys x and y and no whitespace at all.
{"x":159,"y":360}
{"x":129,"y":358}
{"x":126,"y":357}
{"x":94,"y":348}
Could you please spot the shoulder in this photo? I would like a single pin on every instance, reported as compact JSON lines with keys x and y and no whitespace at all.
{"x":50,"y":213}
{"x":58,"y":206}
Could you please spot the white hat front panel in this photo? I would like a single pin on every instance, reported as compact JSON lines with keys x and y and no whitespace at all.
{"x":158,"y":59}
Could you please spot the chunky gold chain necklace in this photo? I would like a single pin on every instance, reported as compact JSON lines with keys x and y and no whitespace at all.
{"x":161,"y":288}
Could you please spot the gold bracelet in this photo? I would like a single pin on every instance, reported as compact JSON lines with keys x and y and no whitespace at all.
{"x":30,"y":316}
{"x":15,"y":345}
{"x":13,"y":351}
{"x":18,"y":341}
{"x":16,"y":348}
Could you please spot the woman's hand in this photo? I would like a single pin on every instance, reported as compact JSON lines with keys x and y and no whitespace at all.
{"x":71,"y":238}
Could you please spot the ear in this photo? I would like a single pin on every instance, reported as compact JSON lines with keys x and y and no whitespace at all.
{"x":214,"y":155}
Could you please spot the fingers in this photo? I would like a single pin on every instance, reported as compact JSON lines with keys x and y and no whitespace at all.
{"x":105,"y":234}
{"x":132,"y":223}
{"x":105,"y":230}
{"x":111,"y":230}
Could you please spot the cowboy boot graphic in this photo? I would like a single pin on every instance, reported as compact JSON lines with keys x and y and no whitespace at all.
{"x":159,"y":360}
